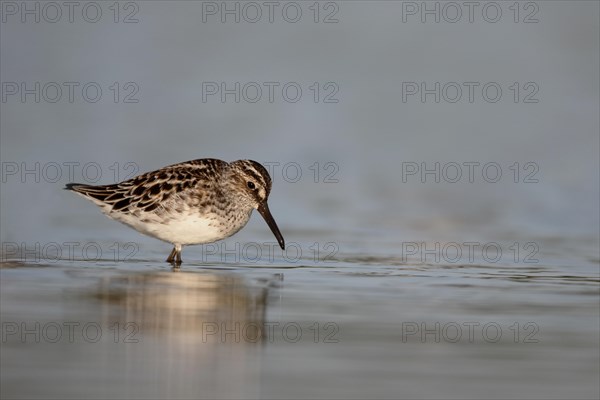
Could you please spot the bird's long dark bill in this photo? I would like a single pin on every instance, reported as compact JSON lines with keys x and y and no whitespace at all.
{"x":263,"y":209}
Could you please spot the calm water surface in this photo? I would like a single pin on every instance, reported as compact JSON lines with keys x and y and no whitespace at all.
{"x":352,"y":326}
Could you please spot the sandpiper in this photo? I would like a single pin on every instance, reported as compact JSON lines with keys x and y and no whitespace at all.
{"x":193,"y":202}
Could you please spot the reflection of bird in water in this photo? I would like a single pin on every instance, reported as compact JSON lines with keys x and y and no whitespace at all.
{"x":202,"y":304}
{"x":195,"y":332}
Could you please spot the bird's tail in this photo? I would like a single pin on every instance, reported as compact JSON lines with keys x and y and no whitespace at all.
{"x":76,"y":187}
{"x":99,"y":193}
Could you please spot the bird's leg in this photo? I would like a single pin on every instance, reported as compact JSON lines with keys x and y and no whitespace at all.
{"x":171,"y":257}
{"x":175,"y":255}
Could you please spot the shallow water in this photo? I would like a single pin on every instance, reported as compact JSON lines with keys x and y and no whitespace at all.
{"x":349,"y":326}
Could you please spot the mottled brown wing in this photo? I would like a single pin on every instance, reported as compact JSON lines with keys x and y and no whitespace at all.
{"x":147,"y":191}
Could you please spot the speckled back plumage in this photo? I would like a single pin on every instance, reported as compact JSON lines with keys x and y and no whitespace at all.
{"x":149,"y":191}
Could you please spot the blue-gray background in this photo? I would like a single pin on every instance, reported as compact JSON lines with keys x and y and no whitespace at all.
{"x":370,"y":210}
{"x":368,"y":53}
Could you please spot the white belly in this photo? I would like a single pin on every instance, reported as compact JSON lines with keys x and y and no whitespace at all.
{"x":191,"y":229}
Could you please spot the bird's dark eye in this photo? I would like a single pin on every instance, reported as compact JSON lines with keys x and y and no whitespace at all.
{"x":251,"y":185}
